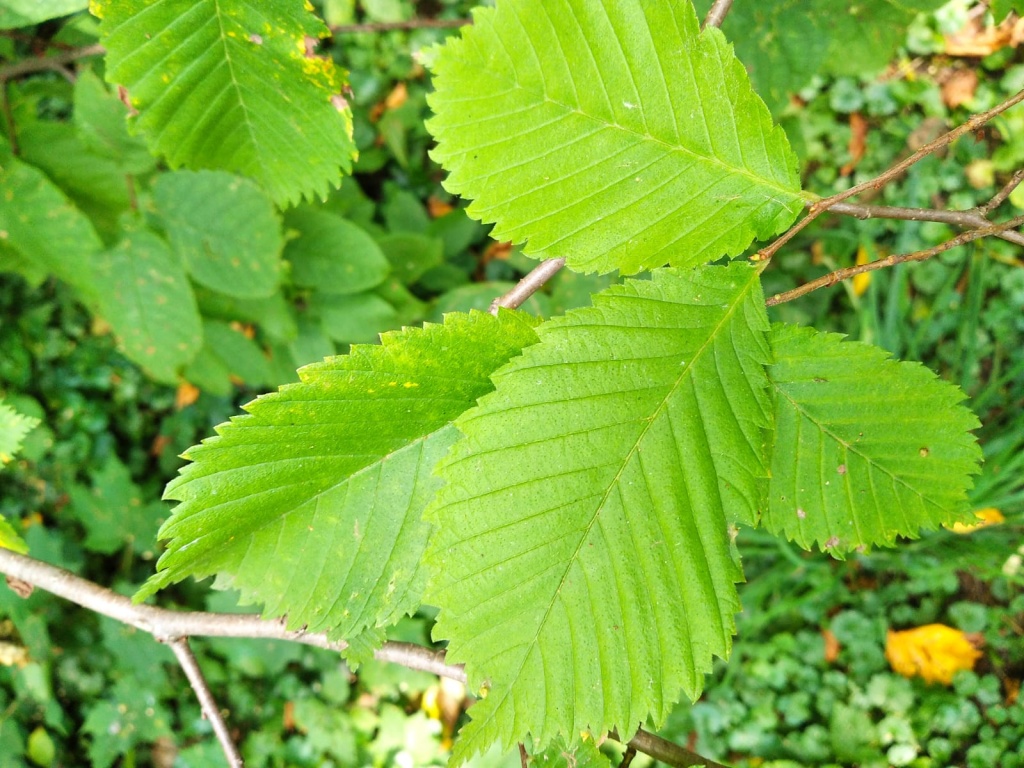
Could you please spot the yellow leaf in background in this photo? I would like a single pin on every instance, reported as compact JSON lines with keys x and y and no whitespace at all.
{"x":861,"y":281}
{"x":987,"y":516}
{"x":934,"y":652}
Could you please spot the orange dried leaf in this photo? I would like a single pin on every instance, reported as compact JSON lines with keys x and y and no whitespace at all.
{"x":933,"y":652}
{"x":398,"y":96}
{"x":438,"y":208}
{"x":832,"y":646}
{"x":185,"y":396}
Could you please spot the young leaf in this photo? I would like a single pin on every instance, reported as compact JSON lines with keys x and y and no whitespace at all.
{"x":148,"y":301}
{"x":9,"y":538}
{"x":231,"y":85}
{"x":224,"y":228}
{"x":866,"y":448}
{"x":614,"y":134}
{"x":311,"y":503}
{"x":581,"y":550}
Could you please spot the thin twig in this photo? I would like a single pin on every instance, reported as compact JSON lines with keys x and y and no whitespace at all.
{"x":528,"y":286}
{"x":842,"y":274}
{"x":1002,"y":194}
{"x":524,"y":759}
{"x":819,"y":207}
{"x":167,"y":626}
{"x":211,"y":711}
{"x":667,"y":752}
{"x":389,"y":26}
{"x":45,"y":63}
{"x":968,"y":219}
{"x":627,"y":758}
{"x":717,"y":12}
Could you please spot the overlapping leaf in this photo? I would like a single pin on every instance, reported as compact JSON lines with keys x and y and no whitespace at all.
{"x":42,"y":225}
{"x":225,"y":230}
{"x":22,"y":13}
{"x":784,"y":43}
{"x":581,"y":553}
{"x":13,"y":428}
{"x":230,"y":85}
{"x":866,"y":448}
{"x":614,"y":134}
{"x":148,"y":301}
{"x":312,"y":502}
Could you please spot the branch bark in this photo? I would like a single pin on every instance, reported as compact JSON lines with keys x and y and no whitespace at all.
{"x":972,"y":219}
{"x":820,"y":206}
{"x":46,"y":63}
{"x":211,"y":711}
{"x":842,"y":274}
{"x":717,"y":12}
{"x":528,"y":286}
{"x":172,"y":627}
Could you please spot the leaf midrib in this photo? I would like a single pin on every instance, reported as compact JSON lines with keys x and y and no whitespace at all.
{"x":684,"y":374}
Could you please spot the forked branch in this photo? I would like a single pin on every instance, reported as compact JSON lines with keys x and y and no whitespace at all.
{"x":174,"y":627}
{"x":842,"y":274}
{"x":821,"y":206}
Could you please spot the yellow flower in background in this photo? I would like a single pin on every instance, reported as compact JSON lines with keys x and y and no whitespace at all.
{"x":863,"y":280}
{"x":987,"y":516}
{"x":934,"y":652}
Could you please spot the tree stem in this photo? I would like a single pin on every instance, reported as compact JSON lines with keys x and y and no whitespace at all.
{"x":717,"y":12}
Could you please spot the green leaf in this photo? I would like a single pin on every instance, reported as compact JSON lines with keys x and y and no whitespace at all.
{"x":354,"y":319}
{"x":616,"y":135}
{"x":411,"y":255}
{"x":112,"y":511}
{"x":581,"y":552}
{"x":148,"y":301}
{"x":784,"y":43}
{"x":331,"y":254}
{"x":23,"y":13}
{"x":9,"y":538}
{"x":224,"y":228}
{"x":229,"y":85}
{"x":13,"y":428}
{"x":41,"y":224}
{"x":582,"y":754}
{"x":866,"y":448}
{"x":311,"y":503}
{"x":240,"y":356}
{"x":102,"y":122}
{"x":1001,"y":8}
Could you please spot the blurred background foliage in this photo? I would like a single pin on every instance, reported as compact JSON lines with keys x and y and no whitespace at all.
{"x":808,"y":684}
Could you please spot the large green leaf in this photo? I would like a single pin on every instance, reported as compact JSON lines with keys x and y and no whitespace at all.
{"x":228,"y":84}
{"x":581,"y":552}
{"x":614,"y":134}
{"x":312,"y":502}
{"x":225,"y":230}
{"x":866,"y":448}
{"x":42,"y":225}
{"x":148,"y":301}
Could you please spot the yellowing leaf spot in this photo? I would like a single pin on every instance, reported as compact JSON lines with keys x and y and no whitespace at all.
{"x":987,"y":516}
{"x":410,"y":384}
{"x":933,"y":652}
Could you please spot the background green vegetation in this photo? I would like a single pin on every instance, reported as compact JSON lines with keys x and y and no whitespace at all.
{"x":85,"y":492}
